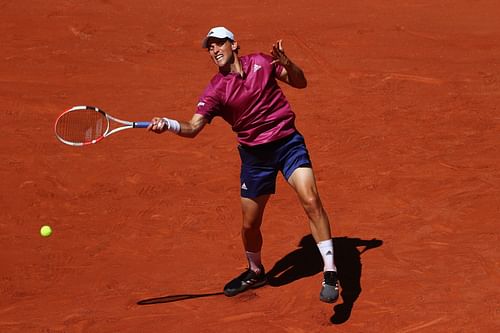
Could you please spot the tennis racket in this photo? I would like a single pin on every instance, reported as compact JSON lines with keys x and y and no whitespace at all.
{"x":84,"y":125}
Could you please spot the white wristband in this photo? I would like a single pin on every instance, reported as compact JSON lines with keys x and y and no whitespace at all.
{"x":172,"y":125}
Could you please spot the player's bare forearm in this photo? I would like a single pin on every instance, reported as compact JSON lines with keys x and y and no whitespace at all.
{"x":189,"y":129}
{"x":295,"y":75}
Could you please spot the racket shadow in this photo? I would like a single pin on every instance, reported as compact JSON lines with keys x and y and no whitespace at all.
{"x":175,"y":298}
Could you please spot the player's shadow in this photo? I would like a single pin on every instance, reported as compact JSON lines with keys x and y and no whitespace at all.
{"x":306,"y":261}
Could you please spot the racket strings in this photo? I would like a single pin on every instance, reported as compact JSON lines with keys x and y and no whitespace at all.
{"x":81,"y":126}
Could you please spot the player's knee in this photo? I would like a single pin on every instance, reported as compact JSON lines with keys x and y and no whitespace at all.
{"x":251,"y":225}
{"x":312,"y":205}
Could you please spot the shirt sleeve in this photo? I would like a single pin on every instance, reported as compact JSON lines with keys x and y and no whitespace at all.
{"x":208,"y":104}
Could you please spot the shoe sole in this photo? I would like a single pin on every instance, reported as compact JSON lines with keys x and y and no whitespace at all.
{"x":328,"y":300}
{"x":234,"y":292}
{"x":331,"y":299}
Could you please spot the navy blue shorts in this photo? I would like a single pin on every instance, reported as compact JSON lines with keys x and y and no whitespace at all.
{"x":260,"y":164}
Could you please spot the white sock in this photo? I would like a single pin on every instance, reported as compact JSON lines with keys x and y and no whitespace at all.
{"x":254,"y":261}
{"x":326,"y":249}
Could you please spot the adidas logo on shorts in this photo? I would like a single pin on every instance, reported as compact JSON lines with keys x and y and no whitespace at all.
{"x":244,"y":187}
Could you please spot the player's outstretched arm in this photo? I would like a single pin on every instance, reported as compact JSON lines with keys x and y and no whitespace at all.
{"x":292,"y":74}
{"x":188,"y":129}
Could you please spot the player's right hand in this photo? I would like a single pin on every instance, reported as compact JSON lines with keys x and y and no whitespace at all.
{"x":158,"y":125}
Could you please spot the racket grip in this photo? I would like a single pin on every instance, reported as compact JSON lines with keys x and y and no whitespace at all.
{"x":141,"y":124}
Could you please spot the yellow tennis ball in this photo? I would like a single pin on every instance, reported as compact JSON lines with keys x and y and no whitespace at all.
{"x":45,"y":231}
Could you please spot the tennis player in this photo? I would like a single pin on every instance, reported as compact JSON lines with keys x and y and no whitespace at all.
{"x":245,"y":93}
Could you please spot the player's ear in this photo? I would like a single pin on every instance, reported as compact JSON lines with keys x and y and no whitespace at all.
{"x":235,"y":46}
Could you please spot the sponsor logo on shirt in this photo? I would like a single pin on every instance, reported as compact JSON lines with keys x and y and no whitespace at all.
{"x":201,"y":104}
{"x":256,"y":67}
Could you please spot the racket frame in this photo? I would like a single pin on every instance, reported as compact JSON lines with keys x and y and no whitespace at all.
{"x":107,"y":132}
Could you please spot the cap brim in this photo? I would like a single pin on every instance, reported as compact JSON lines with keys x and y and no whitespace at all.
{"x":204,"y":43}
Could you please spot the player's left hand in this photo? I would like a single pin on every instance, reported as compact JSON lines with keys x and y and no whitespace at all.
{"x":278,"y":54}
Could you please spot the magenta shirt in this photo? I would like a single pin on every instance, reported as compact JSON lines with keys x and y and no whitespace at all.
{"x":254,"y":105}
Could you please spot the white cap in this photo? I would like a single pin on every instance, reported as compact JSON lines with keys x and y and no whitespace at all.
{"x":217,"y":32}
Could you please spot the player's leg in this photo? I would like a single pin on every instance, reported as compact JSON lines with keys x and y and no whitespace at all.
{"x":252,"y":211}
{"x":255,"y":275}
{"x":303,"y":182}
{"x":258,"y":182}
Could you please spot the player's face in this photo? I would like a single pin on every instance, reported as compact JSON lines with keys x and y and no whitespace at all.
{"x":221,"y":51}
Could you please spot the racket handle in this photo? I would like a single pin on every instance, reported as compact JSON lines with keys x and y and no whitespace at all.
{"x":141,"y":124}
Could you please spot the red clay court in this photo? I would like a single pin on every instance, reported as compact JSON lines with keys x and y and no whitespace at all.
{"x":401,"y":118}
